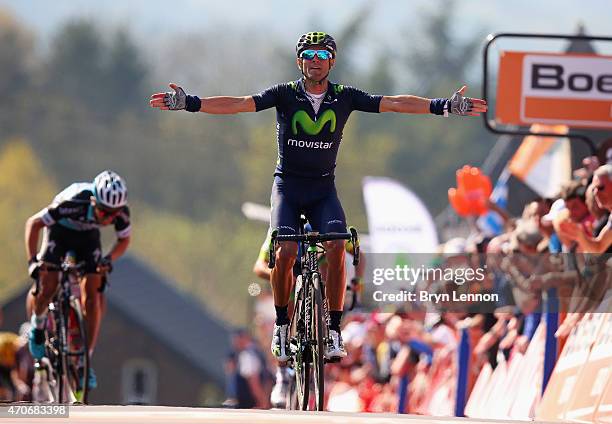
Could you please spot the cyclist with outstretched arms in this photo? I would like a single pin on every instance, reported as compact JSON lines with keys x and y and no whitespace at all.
{"x":72,"y":223}
{"x":311,"y":113}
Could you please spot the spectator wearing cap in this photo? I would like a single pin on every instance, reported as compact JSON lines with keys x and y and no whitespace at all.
{"x":602,"y":188}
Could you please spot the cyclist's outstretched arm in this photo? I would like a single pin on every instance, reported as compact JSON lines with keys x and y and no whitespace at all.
{"x":404,"y":104}
{"x":221,"y":105}
{"x":227,"y":105}
{"x":456,"y":104}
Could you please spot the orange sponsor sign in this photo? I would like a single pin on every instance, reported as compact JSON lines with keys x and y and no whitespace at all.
{"x":546,"y":88}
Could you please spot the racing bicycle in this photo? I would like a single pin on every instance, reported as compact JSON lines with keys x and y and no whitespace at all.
{"x":309,"y":328}
{"x":61,"y":375}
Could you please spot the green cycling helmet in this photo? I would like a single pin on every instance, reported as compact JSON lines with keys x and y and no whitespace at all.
{"x":311,"y":39}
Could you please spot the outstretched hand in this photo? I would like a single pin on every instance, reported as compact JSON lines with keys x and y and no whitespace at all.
{"x":466,"y":106}
{"x":169,"y":100}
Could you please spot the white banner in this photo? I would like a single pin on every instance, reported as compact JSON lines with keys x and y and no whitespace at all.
{"x":398,"y":221}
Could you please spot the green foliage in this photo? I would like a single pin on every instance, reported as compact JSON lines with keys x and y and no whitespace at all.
{"x":258,"y":161}
{"x":83,"y":106}
{"x":360,"y":157}
{"x":25,"y":188}
{"x":211,"y":260}
{"x":438,"y":53}
{"x":16,"y":56}
{"x":107,"y":77}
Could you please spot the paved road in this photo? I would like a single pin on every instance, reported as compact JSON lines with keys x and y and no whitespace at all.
{"x":171,"y":415}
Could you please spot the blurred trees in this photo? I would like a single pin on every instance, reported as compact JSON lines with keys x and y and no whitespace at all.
{"x":82,"y":106}
{"x":105,"y":76}
{"x":16,"y":61}
{"x":25,"y":188}
{"x":436,"y":57}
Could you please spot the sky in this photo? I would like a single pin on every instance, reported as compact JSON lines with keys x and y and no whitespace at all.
{"x":151,"y":19}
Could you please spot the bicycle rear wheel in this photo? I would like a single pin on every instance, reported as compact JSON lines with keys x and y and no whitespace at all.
{"x":318,"y":333}
{"x":302,"y":357}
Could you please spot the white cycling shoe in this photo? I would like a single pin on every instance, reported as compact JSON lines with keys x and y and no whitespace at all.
{"x":335,"y":348}
{"x":280,"y":342}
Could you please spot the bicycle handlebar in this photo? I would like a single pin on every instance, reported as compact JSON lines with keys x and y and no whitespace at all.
{"x":66,"y":267}
{"x":313,"y":238}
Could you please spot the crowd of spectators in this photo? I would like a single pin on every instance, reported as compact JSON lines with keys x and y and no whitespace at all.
{"x":553,"y":258}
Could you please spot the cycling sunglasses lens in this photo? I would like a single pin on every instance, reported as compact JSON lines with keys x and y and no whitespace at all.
{"x":321,"y":54}
{"x":308,"y":54}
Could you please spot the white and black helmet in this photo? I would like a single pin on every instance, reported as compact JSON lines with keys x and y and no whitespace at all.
{"x":110,"y":190}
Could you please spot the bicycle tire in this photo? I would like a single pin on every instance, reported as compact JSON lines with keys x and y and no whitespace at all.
{"x":318,"y":347}
{"x":80,"y":355}
{"x":52,"y":352}
{"x":299,"y":333}
{"x":71,"y":382}
{"x":61,"y":363}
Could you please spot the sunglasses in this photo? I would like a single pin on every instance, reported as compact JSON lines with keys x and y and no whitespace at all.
{"x":321,"y":54}
{"x":107,"y":212}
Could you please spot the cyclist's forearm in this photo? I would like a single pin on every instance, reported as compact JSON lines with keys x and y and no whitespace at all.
{"x":262,"y":270}
{"x":227,"y":105}
{"x":404,"y":104}
{"x":119,"y":248}
{"x":32,"y":229}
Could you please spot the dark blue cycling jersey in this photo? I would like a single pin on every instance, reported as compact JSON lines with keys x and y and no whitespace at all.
{"x":307,"y":142}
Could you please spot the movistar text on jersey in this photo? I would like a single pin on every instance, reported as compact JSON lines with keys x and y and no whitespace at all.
{"x":309,"y":144}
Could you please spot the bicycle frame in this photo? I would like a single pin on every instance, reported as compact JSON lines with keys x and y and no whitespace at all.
{"x":65,"y":308}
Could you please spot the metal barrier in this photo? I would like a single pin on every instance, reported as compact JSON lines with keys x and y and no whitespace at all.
{"x":463,"y":372}
{"x":552,"y":323}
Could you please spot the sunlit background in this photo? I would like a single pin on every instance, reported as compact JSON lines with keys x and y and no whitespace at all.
{"x":76,"y":77}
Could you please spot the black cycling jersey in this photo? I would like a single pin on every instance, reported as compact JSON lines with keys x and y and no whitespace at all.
{"x":307,"y":142}
{"x":72,"y":209}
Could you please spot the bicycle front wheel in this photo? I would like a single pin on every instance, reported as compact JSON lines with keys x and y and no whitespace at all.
{"x":300,"y":339}
{"x":75,"y":355}
{"x":318,"y":326}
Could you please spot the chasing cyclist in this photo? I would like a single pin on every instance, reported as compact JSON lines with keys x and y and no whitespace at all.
{"x":311,"y":113}
{"x":72,"y":222}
